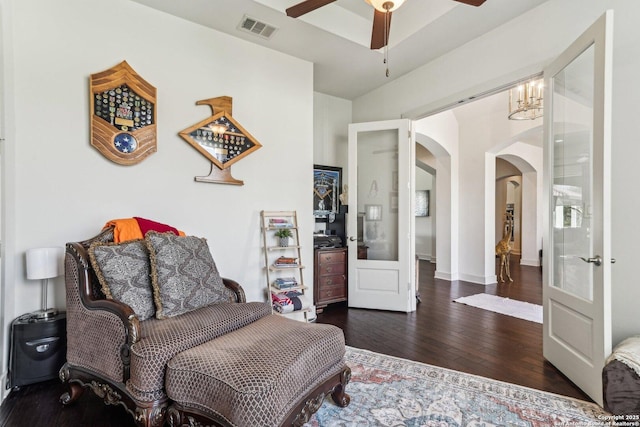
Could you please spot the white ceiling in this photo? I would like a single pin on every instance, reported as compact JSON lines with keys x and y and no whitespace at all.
{"x":336,"y":37}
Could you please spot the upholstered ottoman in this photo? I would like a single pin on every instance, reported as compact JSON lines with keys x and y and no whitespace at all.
{"x":272,"y":372}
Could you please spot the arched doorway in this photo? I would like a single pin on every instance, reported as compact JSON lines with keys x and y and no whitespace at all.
{"x":432,"y":134}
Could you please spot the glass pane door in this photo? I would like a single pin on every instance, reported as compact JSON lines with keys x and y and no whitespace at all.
{"x":381,"y":167}
{"x":378,"y":192}
{"x":576,"y":289}
{"x":572,"y":209}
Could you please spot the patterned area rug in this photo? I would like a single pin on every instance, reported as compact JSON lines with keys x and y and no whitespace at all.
{"x":388,"y":391}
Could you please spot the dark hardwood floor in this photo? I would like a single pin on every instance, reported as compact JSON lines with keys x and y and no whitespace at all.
{"x":440,"y":332}
{"x":456,"y":336}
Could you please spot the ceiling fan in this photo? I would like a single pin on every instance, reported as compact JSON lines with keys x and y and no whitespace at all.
{"x":381,"y":18}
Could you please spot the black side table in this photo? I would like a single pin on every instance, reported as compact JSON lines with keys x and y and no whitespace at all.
{"x":37,"y":350}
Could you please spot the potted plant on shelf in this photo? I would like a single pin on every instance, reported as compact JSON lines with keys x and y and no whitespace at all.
{"x":283,"y":235}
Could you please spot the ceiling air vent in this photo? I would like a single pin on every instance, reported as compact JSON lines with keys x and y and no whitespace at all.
{"x":256,"y":27}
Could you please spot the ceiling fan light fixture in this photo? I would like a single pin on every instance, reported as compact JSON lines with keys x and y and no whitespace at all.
{"x":385,"y":5}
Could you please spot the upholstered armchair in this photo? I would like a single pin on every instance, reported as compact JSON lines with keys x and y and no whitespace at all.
{"x":154,"y":367}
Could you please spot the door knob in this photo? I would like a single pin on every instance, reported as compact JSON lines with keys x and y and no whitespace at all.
{"x":351,"y":238}
{"x":597,"y":260}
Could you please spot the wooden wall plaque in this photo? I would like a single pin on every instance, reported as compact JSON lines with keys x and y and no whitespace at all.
{"x":221,"y":139}
{"x":123,"y":115}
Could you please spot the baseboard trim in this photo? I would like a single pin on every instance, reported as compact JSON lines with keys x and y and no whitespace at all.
{"x":481,"y":280}
{"x":530,"y":262}
{"x":442,"y":276}
{"x":445,"y":276}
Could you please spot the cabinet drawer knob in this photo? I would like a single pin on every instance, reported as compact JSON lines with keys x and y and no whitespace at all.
{"x":330,"y":282}
{"x":329,"y":269}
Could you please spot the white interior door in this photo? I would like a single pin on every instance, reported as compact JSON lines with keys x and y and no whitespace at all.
{"x":577,"y":280}
{"x":381,"y":215}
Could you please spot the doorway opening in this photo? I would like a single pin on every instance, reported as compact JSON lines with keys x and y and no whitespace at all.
{"x":496,"y":163}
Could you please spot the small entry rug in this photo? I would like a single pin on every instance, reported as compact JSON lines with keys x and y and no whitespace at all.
{"x":510,"y":307}
{"x":389,"y":391}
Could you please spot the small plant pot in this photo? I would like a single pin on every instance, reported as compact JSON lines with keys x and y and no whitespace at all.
{"x":283,"y":242}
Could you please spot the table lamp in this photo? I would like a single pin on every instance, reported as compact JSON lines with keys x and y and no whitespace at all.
{"x":44,"y":264}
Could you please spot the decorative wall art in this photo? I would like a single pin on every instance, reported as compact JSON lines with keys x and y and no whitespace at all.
{"x":327,"y":182}
{"x":123,"y":115}
{"x":393,"y":202}
{"x":422,"y":203}
{"x":373,"y":212}
{"x":394,"y":180}
{"x":221,"y":139}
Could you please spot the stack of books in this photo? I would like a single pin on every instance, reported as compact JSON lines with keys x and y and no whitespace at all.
{"x":284,"y":261}
{"x":289,"y":302}
{"x":285,"y":283}
{"x":280,"y":223}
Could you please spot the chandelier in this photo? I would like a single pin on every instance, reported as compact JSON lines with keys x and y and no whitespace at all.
{"x":525,"y":101}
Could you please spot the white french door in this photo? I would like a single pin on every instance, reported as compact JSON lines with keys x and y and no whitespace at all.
{"x":381,"y":215}
{"x":577,"y":280}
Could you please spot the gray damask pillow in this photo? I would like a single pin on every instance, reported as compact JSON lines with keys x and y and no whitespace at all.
{"x":184,"y":276}
{"x":124,"y":273}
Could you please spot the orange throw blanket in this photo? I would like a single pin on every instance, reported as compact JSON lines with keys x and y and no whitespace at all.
{"x":135,"y":228}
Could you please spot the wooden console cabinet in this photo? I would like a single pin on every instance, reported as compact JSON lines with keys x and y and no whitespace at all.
{"x":330,"y":277}
{"x":363,"y":252}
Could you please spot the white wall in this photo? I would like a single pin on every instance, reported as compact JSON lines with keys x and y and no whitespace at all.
{"x":64,"y":190}
{"x":439,"y":135}
{"x":498,"y":58}
{"x":331,"y":119}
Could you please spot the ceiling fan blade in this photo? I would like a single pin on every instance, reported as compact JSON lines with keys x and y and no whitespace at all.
{"x":306,"y":7}
{"x":378,"y":32}
{"x":472,"y":2}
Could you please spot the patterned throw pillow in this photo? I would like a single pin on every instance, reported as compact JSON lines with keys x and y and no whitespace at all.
{"x":184,"y":276}
{"x":123,"y":272}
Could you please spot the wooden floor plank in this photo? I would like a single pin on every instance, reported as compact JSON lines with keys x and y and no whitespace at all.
{"x":456,"y":336}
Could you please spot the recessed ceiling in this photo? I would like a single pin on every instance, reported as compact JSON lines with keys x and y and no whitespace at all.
{"x":352,"y":19}
{"x":336,"y":37}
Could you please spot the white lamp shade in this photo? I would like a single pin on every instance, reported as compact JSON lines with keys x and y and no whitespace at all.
{"x":380,"y":4}
{"x":44,"y":263}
